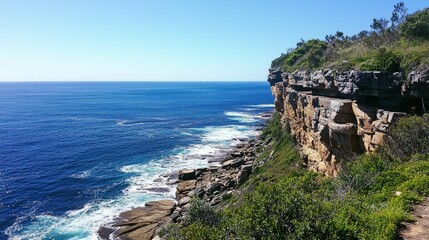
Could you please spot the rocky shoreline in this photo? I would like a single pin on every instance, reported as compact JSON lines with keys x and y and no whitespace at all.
{"x":210,"y":184}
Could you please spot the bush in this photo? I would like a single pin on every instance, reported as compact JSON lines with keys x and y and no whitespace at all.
{"x":293,"y":207}
{"x":309,"y":54}
{"x":409,"y":136}
{"x":416,"y":26}
{"x":359,"y":175}
{"x":383,"y":61}
{"x":201,"y":212}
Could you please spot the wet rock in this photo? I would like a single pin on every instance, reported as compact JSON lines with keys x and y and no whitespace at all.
{"x":187,"y":174}
{"x":200,"y":171}
{"x":104,"y":232}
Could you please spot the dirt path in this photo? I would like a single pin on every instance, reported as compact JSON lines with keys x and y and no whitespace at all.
{"x":418,"y":230}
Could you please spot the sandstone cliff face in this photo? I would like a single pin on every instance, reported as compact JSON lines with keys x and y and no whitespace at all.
{"x":333,"y":116}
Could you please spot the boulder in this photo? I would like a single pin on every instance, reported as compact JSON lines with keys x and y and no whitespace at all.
{"x":242,"y":176}
{"x":247,"y":167}
{"x":237,"y":154}
{"x":227,"y":164}
{"x":186,"y":186}
{"x":142,"y":223}
{"x":237,"y":162}
{"x":187,"y":174}
{"x":230,"y":183}
{"x":183,"y":201}
{"x":216,"y":186}
{"x":200,"y":171}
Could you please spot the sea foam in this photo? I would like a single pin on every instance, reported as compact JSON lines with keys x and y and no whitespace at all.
{"x":147,"y":182}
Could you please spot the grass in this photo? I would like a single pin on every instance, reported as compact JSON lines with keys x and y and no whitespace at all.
{"x":368,"y":200}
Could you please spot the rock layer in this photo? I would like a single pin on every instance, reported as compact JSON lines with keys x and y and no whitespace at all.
{"x":333,"y":116}
{"x":141,"y":223}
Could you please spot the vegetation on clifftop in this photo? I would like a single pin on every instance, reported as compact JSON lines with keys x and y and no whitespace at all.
{"x":368,"y":200}
{"x":398,"y":44}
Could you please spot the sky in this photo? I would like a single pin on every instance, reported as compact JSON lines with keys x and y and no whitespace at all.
{"x":168,"y":40}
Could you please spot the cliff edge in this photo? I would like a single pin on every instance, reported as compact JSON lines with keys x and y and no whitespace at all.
{"x":335,"y":115}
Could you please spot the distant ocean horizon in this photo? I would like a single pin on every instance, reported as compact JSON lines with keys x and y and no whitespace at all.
{"x":74,"y":155}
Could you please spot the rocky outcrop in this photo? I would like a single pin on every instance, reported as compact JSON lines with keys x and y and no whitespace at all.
{"x":210,"y":184}
{"x":140,"y":223}
{"x":333,"y":116}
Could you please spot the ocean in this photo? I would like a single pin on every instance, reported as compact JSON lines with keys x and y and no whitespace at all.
{"x":75,"y":155}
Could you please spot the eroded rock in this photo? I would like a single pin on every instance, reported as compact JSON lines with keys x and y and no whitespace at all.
{"x":141,"y":223}
{"x":334,"y":115}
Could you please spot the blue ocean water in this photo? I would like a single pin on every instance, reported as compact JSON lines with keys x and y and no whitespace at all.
{"x":74,"y":155}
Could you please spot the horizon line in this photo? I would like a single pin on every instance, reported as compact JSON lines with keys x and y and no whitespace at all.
{"x":117,"y":81}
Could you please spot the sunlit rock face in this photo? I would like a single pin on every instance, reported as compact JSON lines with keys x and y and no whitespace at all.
{"x":333,"y":116}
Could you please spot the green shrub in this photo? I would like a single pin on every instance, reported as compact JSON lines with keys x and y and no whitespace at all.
{"x":409,"y":136}
{"x":360,"y":174}
{"x":200,"y":211}
{"x":288,"y":208}
{"x":416,"y":26}
{"x":226,"y":196}
{"x":418,"y":184}
{"x":383,"y":61}
{"x":308,"y":56}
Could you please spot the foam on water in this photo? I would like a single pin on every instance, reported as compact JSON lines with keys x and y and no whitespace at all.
{"x":83,"y":174}
{"x":146,"y":182}
{"x":243,"y":117}
{"x":262,"y":106}
{"x":127,"y":123}
{"x":186,"y":133}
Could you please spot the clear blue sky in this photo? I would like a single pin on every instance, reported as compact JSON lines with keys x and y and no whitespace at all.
{"x":63,"y":40}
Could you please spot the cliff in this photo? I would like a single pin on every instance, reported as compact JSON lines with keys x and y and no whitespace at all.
{"x":335,"y":115}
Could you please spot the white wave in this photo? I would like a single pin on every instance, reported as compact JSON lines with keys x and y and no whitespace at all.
{"x":248,"y":109}
{"x":148,"y":182}
{"x":128,"y":123}
{"x":186,"y":133}
{"x":243,"y":117}
{"x":227,"y":133}
{"x":262,"y":106}
{"x":83,"y":174}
